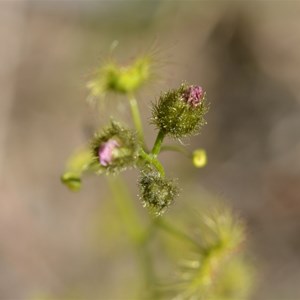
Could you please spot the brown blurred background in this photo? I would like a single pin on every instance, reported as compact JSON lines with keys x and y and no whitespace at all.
{"x":245,"y":54}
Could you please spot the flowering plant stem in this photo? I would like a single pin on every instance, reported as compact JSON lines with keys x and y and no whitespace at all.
{"x":178,"y":113}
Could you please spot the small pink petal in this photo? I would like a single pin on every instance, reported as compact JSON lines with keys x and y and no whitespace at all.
{"x":105,"y":152}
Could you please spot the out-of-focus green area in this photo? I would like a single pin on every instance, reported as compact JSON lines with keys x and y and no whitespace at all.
{"x":59,"y":244}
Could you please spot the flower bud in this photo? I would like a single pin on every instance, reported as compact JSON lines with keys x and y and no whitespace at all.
{"x":180,"y":112}
{"x":114,"y":78}
{"x":114,"y":149}
{"x":156,"y":192}
{"x":199,"y":158}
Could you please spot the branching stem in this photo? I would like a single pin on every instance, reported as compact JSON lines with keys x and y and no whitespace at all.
{"x":153,"y":161}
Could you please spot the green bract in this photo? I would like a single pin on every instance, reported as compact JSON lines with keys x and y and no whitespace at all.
{"x":156,"y":192}
{"x":177,"y":115}
{"x":114,"y":149}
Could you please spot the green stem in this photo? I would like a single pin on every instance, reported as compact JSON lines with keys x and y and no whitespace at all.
{"x":167,"y":227}
{"x":136,"y":117}
{"x":153,"y":161}
{"x":138,"y":235}
{"x":126,"y":210}
{"x":175,"y":148}
{"x":158,"y":143}
{"x":148,"y":291}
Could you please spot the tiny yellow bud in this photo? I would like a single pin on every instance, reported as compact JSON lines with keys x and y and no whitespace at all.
{"x":199,"y":158}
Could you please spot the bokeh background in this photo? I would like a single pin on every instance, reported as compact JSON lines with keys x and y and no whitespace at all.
{"x":244,"y":53}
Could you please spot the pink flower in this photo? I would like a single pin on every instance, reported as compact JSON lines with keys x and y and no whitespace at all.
{"x":193,"y":95}
{"x":105,"y":152}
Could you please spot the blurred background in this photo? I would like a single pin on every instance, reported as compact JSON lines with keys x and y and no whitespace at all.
{"x":246,"y":56}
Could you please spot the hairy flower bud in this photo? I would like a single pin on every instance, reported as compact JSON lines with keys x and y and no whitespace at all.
{"x":114,"y":149}
{"x":180,"y":112}
{"x":156,"y":192}
{"x":114,"y":78}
